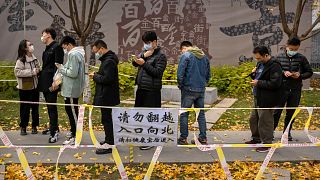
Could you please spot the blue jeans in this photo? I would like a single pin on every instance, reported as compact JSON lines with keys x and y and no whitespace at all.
{"x":197,"y":99}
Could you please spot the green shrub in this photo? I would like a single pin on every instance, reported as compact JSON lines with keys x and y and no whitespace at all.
{"x":7,"y":73}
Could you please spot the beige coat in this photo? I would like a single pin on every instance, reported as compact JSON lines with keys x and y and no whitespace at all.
{"x":27,"y":70}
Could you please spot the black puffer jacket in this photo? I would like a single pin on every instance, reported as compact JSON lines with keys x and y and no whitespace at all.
{"x":269,"y":85}
{"x":107,"y":81}
{"x":149,"y":76}
{"x":297,"y":63}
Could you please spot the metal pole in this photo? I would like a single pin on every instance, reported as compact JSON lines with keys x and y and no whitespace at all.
{"x":24,"y":19}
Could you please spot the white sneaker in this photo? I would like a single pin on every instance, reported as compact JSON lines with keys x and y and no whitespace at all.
{"x":69,"y":135}
{"x":70,"y":141}
{"x":55,"y":138}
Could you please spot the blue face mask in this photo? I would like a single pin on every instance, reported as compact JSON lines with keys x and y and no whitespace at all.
{"x":98,"y":56}
{"x":147,"y":46}
{"x":291,"y":53}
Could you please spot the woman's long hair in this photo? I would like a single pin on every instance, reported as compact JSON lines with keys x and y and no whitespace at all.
{"x":22,"y":50}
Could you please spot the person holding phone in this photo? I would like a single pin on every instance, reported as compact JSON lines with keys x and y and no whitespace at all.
{"x":52,"y":54}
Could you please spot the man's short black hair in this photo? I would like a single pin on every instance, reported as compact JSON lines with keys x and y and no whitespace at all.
{"x":149,"y":36}
{"x":295,"y":41}
{"x":185,"y":44}
{"x":262,"y":50}
{"x":99,"y":44}
{"x":50,"y":31}
{"x":68,"y":40}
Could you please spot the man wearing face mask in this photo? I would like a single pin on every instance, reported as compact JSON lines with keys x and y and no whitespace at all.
{"x":51,"y":55}
{"x":295,"y":68}
{"x":267,"y":89}
{"x":107,"y":89}
{"x":151,"y":65}
{"x":72,"y":82}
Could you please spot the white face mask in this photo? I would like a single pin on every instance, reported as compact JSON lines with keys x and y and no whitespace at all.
{"x":31,"y":48}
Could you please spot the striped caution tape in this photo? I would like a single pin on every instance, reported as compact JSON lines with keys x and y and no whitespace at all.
{"x":153,"y":162}
{"x":313,"y":139}
{"x":23,"y":160}
{"x":201,"y":148}
{"x":265,"y":163}
{"x":284,"y":137}
{"x":131,"y":154}
{"x":224,"y":163}
{"x":115,"y":152}
{"x":79,"y":131}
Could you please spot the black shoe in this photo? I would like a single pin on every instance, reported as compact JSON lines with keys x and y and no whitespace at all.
{"x":54,"y":138}
{"x":290,"y":137}
{"x":23,"y":131}
{"x":252,"y":142}
{"x":46,"y":131}
{"x":104,"y":151}
{"x":146,"y":147}
{"x":201,"y":140}
{"x":34,"y":130}
{"x":182,"y":141}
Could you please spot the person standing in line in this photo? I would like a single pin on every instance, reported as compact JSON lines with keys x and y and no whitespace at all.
{"x":107,"y":89}
{"x":268,"y":92}
{"x":193,"y":75}
{"x":151,"y":64}
{"x":295,"y":68}
{"x":52,"y":54}
{"x":72,"y":82}
{"x":26,"y":71}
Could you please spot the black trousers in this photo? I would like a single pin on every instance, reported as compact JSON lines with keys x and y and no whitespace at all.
{"x":145,"y":98}
{"x":33,"y":96}
{"x":290,"y":98}
{"x":73,"y":112}
{"x":106,"y":120}
{"x":51,"y":97}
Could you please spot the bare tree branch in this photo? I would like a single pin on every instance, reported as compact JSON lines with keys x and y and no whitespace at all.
{"x":83,"y":16}
{"x":93,"y":17}
{"x":308,"y":31}
{"x":297,"y":17}
{"x":310,"y":35}
{"x":68,"y":16}
{"x":282,"y":10}
{"x":74,"y":25}
{"x":102,"y":6}
{"x":89,"y":15}
{"x":75,"y":7}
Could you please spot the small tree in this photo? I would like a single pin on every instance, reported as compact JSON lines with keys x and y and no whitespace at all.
{"x":82,"y":22}
{"x":291,"y":32}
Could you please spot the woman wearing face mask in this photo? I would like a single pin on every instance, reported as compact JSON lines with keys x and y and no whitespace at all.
{"x":26,"y":71}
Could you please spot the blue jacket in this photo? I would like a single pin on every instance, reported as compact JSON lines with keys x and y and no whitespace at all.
{"x":193,"y":70}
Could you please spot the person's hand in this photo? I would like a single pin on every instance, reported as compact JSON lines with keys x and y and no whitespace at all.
{"x":37,"y":70}
{"x":58,"y":65}
{"x":53,"y":87}
{"x":91,"y":74}
{"x":148,"y":53}
{"x":295,"y":75}
{"x":139,"y":61}
{"x":254,"y":82}
{"x":287,"y":73}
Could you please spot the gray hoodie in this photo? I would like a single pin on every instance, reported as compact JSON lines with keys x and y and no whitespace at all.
{"x":73,"y":79}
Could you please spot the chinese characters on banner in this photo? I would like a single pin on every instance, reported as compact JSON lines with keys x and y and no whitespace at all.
{"x":145,"y":127}
{"x":174,"y":21}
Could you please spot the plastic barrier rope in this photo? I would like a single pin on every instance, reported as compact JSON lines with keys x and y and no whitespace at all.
{"x":224,"y":163}
{"x":284,"y":137}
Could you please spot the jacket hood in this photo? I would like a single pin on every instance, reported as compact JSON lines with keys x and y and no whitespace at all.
{"x":197,"y":52}
{"x":78,"y":49}
{"x":109,"y":55}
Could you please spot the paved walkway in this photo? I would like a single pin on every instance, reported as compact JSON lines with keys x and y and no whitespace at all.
{"x":168,"y":154}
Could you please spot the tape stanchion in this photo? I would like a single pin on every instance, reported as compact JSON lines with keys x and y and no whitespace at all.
{"x":224,"y":163}
{"x":153,"y":162}
{"x":115,"y":152}
{"x":131,"y":154}
{"x":22,"y":158}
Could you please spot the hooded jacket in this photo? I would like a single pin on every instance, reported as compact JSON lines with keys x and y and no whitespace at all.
{"x":73,"y":79}
{"x":27,"y":69}
{"x":107,"y":81}
{"x":193,"y":70}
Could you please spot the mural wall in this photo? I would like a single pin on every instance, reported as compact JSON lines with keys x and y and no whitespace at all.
{"x":227,"y":30}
